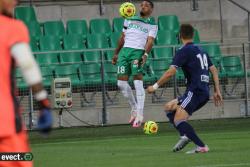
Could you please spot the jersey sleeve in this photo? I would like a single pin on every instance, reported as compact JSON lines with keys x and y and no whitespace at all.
{"x":18,"y":34}
{"x":179,"y":59}
{"x":153,"y":31}
{"x":125,"y":25}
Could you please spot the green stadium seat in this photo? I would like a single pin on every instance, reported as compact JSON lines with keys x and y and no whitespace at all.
{"x":109,"y":55}
{"x":100,"y":26}
{"x":47,"y":76}
{"x":78,"y":27}
{"x":97,"y":41}
{"x":21,"y":84}
{"x":90,"y":74}
{"x":118,"y":24}
{"x":110,"y":73}
{"x":46,"y":59}
{"x":25,"y":13}
{"x":180,"y":75}
{"x":54,"y":28}
{"x":114,"y":38}
{"x":159,"y":67}
{"x":163,"y":53}
{"x":196,"y":36}
{"x":92,"y":56}
{"x":34,"y":45}
{"x":231,"y":67}
{"x":165,"y":37}
{"x":71,"y":57}
{"x":34,"y":29}
{"x":73,"y":42}
{"x":70,"y":71}
{"x":169,"y":22}
{"x":148,"y":77}
{"x":214,"y":52}
{"x":50,"y":43}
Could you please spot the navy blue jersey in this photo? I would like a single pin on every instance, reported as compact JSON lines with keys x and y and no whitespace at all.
{"x":195,"y":64}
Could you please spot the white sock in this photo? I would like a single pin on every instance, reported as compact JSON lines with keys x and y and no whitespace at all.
{"x":127,"y":93}
{"x":140,"y":96}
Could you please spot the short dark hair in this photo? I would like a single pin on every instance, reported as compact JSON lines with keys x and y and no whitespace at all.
{"x":150,"y":2}
{"x":186,"y":31}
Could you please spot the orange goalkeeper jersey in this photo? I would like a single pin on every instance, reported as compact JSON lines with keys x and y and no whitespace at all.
{"x":11,"y":32}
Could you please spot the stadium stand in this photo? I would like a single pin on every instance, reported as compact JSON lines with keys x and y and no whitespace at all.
{"x":169,"y":22}
{"x":25,"y":13}
{"x":78,"y":27}
{"x":118,"y":24}
{"x":98,"y":26}
{"x":54,"y":28}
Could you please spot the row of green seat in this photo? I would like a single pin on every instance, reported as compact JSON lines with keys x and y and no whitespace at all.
{"x":94,"y":41}
{"x":165,"y":22}
{"x":80,"y":27}
{"x":87,"y":56}
{"x":87,"y":74}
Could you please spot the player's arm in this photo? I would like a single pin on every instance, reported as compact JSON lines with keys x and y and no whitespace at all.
{"x":148,"y":47}
{"x":165,"y":77}
{"x":22,"y":55}
{"x":217,"y":93}
{"x":118,"y":48}
{"x":150,"y":42}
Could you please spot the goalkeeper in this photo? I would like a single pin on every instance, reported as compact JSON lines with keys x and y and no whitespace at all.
{"x":15,"y":50}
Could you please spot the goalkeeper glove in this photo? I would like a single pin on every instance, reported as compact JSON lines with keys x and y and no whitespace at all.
{"x":45,"y":119}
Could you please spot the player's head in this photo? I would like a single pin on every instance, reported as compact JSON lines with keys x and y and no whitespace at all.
{"x":7,"y":7}
{"x":146,"y":8}
{"x":186,"y":32}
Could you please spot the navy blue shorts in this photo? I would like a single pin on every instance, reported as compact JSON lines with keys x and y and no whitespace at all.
{"x":193,"y":101}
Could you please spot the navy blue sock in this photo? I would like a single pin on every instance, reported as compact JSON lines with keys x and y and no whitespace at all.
{"x":188,"y":130}
{"x":170,"y":115}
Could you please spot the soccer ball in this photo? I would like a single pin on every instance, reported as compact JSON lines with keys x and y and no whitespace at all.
{"x":150,"y":127}
{"x":127,"y":10}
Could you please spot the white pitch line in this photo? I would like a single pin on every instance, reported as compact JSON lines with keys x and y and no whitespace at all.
{"x":224,"y":165}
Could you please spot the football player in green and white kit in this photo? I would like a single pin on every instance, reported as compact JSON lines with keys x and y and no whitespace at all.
{"x":131,"y":54}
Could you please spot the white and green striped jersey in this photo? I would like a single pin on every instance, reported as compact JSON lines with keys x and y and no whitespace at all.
{"x":137,"y":30}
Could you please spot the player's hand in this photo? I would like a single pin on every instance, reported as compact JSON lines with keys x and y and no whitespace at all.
{"x":144,"y":60}
{"x":45,"y":118}
{"x":114,"y":59}
{"x":217,"y":99}
{"x":150,"y":89}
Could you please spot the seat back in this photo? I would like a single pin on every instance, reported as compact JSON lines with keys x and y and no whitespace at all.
{"x":97,"y":41}
{"x":73,"y":42}
{"x":55,"y":28}
{"x":100,"y":26}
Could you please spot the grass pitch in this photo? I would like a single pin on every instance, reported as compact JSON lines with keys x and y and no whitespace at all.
{"x":123,"y":146}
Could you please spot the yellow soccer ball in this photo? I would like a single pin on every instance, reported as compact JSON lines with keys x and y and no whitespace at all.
{"x":127,"y":10}
{"x":150,"y":127}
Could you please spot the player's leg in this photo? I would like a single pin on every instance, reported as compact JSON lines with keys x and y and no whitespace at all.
{"x":15,"y":143}
{"x":140,"y":96}
{"x":170,"y":109}
{"x":123,"y":72}
{"x":190,"y":104}
{"x":137,"y":73}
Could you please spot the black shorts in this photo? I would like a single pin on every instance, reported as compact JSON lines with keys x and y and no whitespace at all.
{"x":193,"y":101}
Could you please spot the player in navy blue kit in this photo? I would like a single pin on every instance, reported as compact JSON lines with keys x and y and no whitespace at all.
{"x":196,"y":65}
